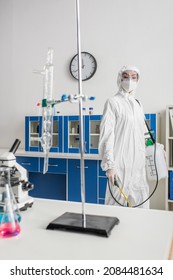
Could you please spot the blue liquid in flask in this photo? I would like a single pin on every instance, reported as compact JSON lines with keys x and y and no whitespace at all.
{"x":18,"y":216}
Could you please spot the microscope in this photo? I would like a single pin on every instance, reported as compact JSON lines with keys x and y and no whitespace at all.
{"x":18,"y":178}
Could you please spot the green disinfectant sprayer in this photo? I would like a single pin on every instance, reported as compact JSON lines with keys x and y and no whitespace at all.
{"x":156,"y":167}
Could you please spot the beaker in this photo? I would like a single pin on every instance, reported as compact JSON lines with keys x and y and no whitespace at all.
{"x":9,"y":222}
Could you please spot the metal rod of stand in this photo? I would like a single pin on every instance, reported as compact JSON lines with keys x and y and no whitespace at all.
{"x":82,"y":168}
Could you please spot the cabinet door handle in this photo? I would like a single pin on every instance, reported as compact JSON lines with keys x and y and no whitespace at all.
{"x":84,"y":166}
{"x":26,"y":163}
{"x":85,"y":144}
{"x":54,"y":165}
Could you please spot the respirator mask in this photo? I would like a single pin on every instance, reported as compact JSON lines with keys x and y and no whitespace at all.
{"x":129,"y":85}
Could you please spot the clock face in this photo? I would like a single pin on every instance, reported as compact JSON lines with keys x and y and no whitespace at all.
{"x":88,"y":64}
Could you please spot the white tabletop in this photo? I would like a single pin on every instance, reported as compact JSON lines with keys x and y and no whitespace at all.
{"x":23,"y":153}
{"x":141,"y":234}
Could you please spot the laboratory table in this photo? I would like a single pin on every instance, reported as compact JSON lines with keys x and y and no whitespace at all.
{"x":140,"y":235}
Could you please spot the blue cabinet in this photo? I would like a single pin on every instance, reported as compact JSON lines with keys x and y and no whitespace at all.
{"x":55,"y":165}
{"x":31,"y":164}
{"x":71,"y":134}
{"x":102,"y":184}
{"x":92,"y":133}
{"x":74,"y":191}
{"x":62,"y":181}
{"x":33,"y":132}
{"x":170,"y":190}
{"x":102,"y":189}
{"x":66,"y":133}
{"x":151,"y":120}
{"x":50,"y":186}
{"x":57,"y":137}
{"x":91,"y":129}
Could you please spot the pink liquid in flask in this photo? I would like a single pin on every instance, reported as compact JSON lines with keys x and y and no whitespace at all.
{"x":9,"y":229}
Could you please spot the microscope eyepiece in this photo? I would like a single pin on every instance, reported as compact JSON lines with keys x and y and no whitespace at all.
{"x":15,"y":146}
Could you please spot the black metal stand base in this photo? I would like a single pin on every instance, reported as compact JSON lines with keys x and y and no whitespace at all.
{"x":97,"y":225}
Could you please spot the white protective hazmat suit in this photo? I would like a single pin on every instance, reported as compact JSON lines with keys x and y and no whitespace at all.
{"x":122,"y":146}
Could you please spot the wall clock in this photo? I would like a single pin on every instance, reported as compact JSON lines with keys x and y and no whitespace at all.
{"x":89,"y":66}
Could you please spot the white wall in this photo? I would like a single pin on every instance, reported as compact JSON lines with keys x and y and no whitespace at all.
{"x":116,"y":32}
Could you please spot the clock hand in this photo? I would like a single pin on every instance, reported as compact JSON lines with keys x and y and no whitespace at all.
{"x":83,"y":64}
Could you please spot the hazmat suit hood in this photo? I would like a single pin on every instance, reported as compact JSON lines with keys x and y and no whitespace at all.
{"x":119,"y":78}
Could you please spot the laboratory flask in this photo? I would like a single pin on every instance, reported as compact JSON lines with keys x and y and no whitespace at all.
{"x":10,"y":216}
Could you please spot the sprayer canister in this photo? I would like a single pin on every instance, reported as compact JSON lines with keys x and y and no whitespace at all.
{"x":159,"y":161}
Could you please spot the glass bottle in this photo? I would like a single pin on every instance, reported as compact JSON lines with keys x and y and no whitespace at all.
{"x":91,"y":111}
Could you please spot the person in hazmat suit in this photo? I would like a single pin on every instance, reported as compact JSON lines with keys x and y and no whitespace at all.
{"x":122,"y":143}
